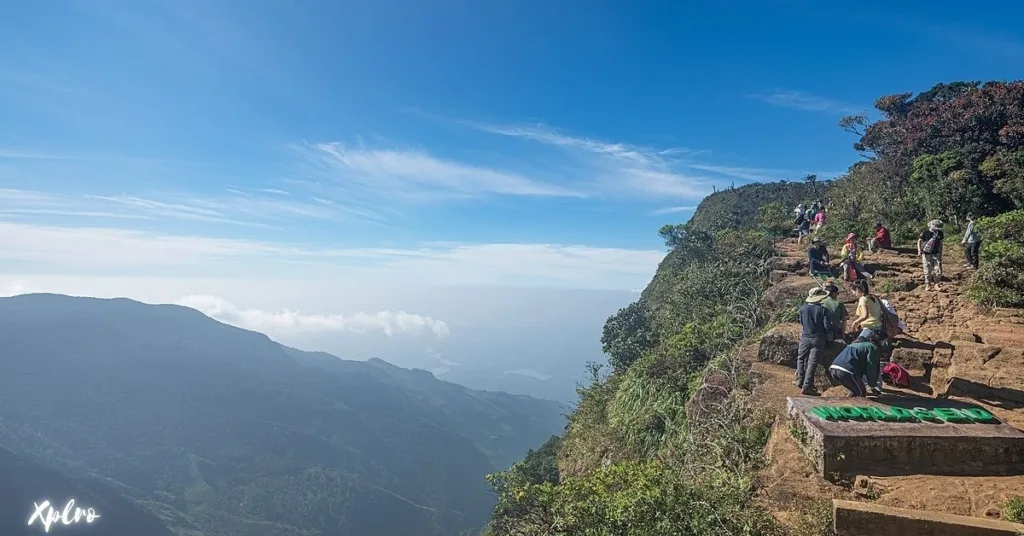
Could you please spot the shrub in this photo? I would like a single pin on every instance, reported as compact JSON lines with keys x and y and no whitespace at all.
{"x":1014,"y":510}
{"x":999,"y":282}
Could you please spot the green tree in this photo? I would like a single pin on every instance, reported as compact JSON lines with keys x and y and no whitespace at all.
{"x":627,"y":335}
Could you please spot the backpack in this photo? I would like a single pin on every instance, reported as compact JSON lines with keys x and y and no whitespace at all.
{"x":896,"y":374}
{"x":890,"y":320}
{"x":799,"y":219}
{"x":932,"y":244}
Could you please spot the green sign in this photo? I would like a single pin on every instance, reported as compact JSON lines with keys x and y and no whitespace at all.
{"x":895,"y":414}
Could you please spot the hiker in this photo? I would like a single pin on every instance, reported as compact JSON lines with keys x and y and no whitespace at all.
{"x":929,"y":248}
{"x":837,"y":310}
{"x":854,"y":363}
{"x":803,"y":228}
{"x":868,"y":321}
{"x":818,"y":259}
{"x":819,"y":220}
{"x":971,"y":243}
{"x":881,"y":240}
{"x":852,"y":257}
{"x":816,"y":322}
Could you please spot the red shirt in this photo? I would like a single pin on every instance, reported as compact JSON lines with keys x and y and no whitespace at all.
{"x":882,"y":238}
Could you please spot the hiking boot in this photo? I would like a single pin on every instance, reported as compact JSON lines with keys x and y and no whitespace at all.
{"x":810,"y":392}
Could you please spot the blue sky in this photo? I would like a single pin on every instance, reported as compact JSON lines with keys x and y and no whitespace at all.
{"x":448,"y":142}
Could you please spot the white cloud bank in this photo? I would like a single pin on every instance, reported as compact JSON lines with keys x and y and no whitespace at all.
{"x":287,"y":322}
{"x":37,"y":249}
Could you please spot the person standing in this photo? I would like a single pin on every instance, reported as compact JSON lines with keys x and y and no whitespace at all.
{"x":929,"y":248}
{"x":816,"y":324}
{"x":971,"y":243}
{"x":819,"y":220}
{"x":803,"y":228}
{"x":837,"y":311}
{"x":854,"y":362}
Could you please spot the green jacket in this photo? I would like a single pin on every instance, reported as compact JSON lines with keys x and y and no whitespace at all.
{"x":839,"y":314}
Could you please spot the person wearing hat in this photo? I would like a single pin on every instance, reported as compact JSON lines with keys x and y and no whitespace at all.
{"x":836,"y":310}
{"x":816,"y":324}
{"x":929,"y":248}
{"x":852,"y":257}
{"x":817,"y":257}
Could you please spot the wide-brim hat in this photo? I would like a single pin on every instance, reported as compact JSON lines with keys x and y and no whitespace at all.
{"x":851,"y":236}
{"x":816,"y":295}
{"x":935,"y":224}
{"x":816,"y":240}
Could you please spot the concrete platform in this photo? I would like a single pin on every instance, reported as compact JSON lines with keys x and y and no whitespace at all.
{"x":900,"y":436}
{"x":867,"y":519}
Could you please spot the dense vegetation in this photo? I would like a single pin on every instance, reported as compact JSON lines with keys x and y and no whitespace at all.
{"x":664,"y":441}
{"x":953,"y":150}
{"x":219,"y":431}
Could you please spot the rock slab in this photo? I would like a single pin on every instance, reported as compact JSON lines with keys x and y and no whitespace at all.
{"x":866,"y":519}
{"x":917,"y":444}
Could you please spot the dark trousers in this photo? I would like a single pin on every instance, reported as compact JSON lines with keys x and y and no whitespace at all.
{"x":807,"y":357}
{"x":971,"y":253}
{"x":849,"y":381}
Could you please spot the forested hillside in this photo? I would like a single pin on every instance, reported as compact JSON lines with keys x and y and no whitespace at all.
{"x":665,"y":439}
{"x":219,"y":431}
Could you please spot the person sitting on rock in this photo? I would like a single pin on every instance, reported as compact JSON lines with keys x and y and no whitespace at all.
{"x":869,"y":321}
{"x":852,"y":257}
{"x":855,"y":362}
{"x":818,"y":257}
{"x":837,"y":310}
{"x":881,"y":240}
{"x":816,"y":322}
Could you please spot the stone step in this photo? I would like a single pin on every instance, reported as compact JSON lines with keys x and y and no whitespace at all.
{"x":986,"y":372}
{"x":866,"y":519}
{"x":901,"y":436}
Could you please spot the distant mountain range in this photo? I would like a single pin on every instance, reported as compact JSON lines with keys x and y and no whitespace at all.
{"x":164,"y":417}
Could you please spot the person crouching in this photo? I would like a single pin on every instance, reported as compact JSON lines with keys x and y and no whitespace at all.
{"x":854,"y":362}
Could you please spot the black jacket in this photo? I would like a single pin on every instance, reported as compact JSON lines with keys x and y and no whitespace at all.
{"x":816,"y":320}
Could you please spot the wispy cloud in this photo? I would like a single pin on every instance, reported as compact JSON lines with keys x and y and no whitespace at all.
{"x":673,"y":210}
{"x":618,"y":168}
{"x":622,"y":168}
{"x":233,"y":208}
{"x":808,"y":102}
{"x":418,"y":175}
{"x":105,"y":250}
{"x":287,"y":322}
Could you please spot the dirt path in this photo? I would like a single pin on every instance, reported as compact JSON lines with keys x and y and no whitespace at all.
{"x":982,"y":349}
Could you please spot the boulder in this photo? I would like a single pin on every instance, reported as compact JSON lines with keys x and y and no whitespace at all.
{"x":786,"y":292}
{"x":788,"y":264}
{"x":986,"y":372}
{"x":911,"y":358}
{"x":776,"y":276}
{"x":779,"y":346}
